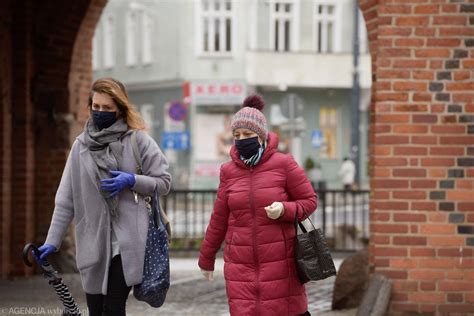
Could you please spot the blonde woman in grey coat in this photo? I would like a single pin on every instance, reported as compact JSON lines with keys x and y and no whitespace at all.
{"x":100,"y":191}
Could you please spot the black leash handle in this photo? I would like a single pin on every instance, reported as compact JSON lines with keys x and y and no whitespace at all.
{"x":26,"y":250}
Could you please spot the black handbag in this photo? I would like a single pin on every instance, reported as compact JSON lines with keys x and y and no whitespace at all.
{"x":313,"y":259}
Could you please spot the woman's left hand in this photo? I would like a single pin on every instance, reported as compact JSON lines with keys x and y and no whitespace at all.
{"x":208,"y":275}
{"x":275,"y":210}
{"x":120,"y":181}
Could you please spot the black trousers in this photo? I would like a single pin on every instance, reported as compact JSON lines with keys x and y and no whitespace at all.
{"x":112,"y":304}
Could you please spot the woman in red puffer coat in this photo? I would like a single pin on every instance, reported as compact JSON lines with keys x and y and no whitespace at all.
{"x":260,"y":193}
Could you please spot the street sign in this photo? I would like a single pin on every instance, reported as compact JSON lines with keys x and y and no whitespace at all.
{"x":215,"y":92}
{"x":177,"y":111}
{"x":175,"y":140}
{"x":292,"y":106}
{"x":316,"y":138}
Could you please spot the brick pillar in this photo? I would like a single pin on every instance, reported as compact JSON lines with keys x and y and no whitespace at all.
{"x":5,"y":137}
{"x":422,"y":148}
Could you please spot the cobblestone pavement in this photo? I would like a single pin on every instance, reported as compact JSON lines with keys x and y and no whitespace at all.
{"x":189,"y":294}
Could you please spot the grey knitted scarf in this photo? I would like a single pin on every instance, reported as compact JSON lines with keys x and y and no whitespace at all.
{"x":106,"y":149}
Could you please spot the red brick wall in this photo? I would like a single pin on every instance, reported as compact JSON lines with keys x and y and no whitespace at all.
{"x":422,"y":153}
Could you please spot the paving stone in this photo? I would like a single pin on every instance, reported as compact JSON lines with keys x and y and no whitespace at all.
{"x":189,"y":294}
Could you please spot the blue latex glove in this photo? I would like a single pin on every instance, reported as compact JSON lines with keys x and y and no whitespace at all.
{"x":44,"y":250}
{"x":120,"y":181}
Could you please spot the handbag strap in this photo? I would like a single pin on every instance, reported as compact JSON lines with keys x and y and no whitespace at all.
{"x":136,"y":152}
{"x":160,"y":215}
{"x":298,"y":223}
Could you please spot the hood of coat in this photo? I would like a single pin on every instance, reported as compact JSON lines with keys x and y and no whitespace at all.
{"x":272,"y":147}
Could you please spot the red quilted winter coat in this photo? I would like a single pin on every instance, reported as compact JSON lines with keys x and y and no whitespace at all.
{"x":259,"y":267}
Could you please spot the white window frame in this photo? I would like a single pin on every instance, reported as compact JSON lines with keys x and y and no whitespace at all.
{"x":108,"y":49}
{"x":146,"y":39}
{"x":324,"y":18}
{"x":253,"y":25}
{"x":292,"y":17}
{"x":96,"y":49}
{"x":211,"y":15}
{"x":131,"y":38}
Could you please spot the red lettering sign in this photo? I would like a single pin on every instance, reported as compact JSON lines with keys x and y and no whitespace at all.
{"x":237,"y":89}
{"x":224,"y":89}
{"x":200,"y":89}
{"x":211,"y":89}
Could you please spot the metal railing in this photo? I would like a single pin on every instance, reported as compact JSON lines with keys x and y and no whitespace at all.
{"x":342,"y":215}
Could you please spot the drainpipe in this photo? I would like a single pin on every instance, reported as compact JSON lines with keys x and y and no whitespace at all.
{"x":355,"y":96}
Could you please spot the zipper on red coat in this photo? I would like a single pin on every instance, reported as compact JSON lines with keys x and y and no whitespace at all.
{"x":255,"y":246}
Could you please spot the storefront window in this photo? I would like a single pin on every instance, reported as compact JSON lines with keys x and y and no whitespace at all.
{"x":328,"y":118}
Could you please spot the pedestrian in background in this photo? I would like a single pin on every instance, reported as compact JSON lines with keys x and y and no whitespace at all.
{"x":261,"y":191}
{"x":315,"y":174}
{"x":347,"y":174}
{"x":100,"y":191}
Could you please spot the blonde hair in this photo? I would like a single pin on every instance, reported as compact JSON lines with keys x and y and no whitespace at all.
{"x":116,"y":90}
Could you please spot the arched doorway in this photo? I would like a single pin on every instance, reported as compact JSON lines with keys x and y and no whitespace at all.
{"x":46,"y":71}
{"x":421,"y":137}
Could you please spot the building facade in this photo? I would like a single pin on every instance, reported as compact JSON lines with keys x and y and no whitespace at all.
{"x":188,"y":65}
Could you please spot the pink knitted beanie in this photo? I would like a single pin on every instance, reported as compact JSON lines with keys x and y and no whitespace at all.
{"x":251,"y":117}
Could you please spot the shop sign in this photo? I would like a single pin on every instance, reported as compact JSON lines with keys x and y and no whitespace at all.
{"x":215,"y":92}
{"x":316,"y":138}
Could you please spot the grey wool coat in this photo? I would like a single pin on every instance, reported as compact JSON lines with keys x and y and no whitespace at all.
{"x":78,"y":198}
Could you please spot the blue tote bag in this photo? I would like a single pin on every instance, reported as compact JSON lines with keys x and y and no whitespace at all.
{"x":156,"y":268}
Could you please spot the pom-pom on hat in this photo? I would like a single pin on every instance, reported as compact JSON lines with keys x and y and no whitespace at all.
{"x":250,"y":116}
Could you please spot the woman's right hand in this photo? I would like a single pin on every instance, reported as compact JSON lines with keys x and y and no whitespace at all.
{"x":44,"y":250}
{"x":209,"y":275}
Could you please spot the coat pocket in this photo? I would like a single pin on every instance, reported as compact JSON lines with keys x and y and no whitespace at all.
{"x":87,"y":252}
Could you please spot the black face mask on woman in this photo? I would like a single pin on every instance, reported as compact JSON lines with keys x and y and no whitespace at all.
{"x":247,"y":147}
{"x":103,"y":119}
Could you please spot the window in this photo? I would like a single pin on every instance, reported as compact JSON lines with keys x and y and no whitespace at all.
{"x":215,"y":26}
{"x":147,"y":28}
{"x":131,"y":38}
{"x":139,"y":34}
{"x":95,"y":50}
{"x":326,"y":26}
{"x":109,"y":41}
{"x":282,"y":25}
{"x":328,"y":124}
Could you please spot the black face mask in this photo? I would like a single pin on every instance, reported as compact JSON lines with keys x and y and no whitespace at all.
{"x":103,"y":119}
{"x":247,"y":147}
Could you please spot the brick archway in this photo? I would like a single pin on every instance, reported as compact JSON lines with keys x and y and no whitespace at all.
{"x":421,"y":137}
{"x":45,"y":73}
